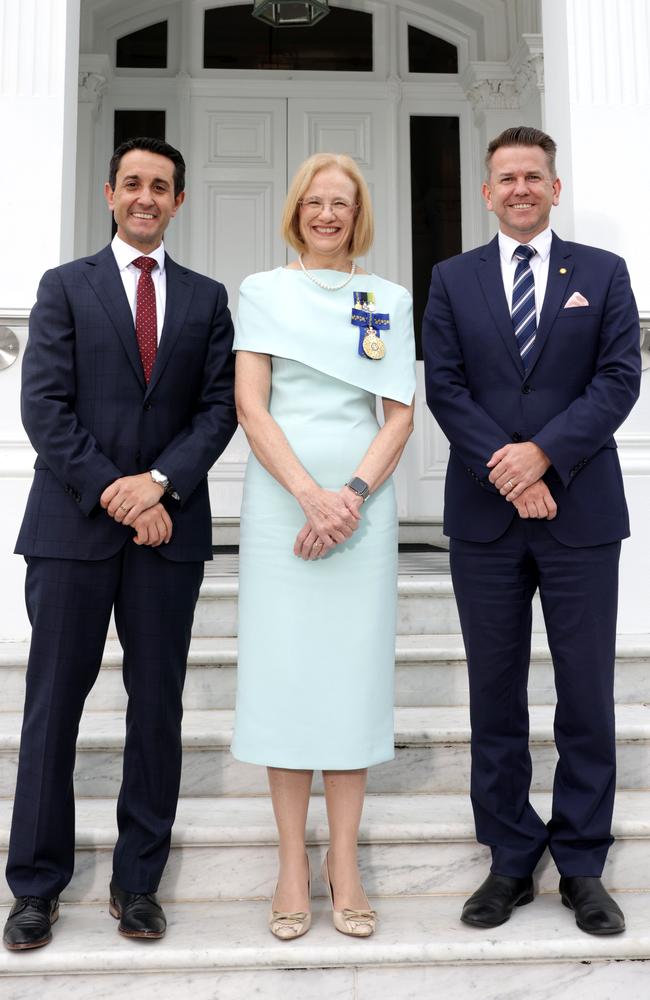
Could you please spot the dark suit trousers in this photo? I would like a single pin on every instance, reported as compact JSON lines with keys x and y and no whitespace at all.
{"x":494,"y":584}
{"x":69,"y":604}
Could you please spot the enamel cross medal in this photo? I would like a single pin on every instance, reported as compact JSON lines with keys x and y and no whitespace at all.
{"x":369,"y":322}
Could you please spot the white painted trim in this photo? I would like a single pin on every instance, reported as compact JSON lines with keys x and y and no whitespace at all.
{"x":16,"y":459}
{"x":230,"y":472}
{"x":634,"y":453}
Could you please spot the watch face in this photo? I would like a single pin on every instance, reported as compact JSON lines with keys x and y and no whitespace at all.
{"x":359,"y":487}
{"x":159,"y":478}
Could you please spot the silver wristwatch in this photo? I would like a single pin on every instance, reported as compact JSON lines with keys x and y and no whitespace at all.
{"x":359,"y":487}
{"x":163,"y":480}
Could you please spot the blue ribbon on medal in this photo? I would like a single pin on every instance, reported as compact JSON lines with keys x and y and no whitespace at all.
{"x":370,"y":323}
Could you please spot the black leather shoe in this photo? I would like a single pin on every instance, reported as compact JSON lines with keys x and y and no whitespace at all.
{"x":29,"y":924}
{"x":595,"y":910}
{"x":140,"y":914}
{"x":493,"y":902}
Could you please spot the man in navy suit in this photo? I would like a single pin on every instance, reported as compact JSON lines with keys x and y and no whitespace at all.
{"x":128,"y":401}
{"x":531,"y":350}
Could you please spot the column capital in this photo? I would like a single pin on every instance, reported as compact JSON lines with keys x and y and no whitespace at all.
{"x":95,"y":73}
{"x":503,"y":86}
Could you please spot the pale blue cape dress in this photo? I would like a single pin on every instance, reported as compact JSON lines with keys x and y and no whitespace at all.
{"x":317,"y":639}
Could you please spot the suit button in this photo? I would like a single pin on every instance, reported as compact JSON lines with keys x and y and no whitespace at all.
{"x":147,"y":406}
{"x":526,"y":389}
{"x":516,"y":437}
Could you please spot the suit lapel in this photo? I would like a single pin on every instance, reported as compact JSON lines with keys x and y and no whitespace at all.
{"x":178,"y":297}
{"x":103,"y":274}
{"x":560,"y":268}
{"x":491,"y":279}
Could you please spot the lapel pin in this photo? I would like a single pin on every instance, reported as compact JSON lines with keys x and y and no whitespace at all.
{"x":563,"y":270}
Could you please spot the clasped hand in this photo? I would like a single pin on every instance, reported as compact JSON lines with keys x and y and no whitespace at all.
{"x":332,"y":517}
{"x":134,"y":501}
{"x":153,"y":527}
{"x":126,"y":498}
{"x":515,"y":467}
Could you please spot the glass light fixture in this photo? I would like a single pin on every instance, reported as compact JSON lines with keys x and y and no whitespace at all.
{"x":290,"y":13}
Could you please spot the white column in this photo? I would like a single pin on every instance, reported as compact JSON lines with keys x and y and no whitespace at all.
{"x":39,"y":44}
{"x":597,"y":105}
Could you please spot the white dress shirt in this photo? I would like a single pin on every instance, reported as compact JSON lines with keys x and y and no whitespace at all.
{"x":538,"y":265}
{"x":125,"y":254}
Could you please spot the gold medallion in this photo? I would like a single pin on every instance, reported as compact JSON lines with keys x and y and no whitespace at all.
{"x":373,"y":346}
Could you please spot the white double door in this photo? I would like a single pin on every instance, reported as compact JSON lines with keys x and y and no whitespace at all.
{"x":244,"y":153}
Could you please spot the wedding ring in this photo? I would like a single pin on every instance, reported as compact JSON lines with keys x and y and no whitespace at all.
{"x":122,"y":507}
{"x":510,"y":484}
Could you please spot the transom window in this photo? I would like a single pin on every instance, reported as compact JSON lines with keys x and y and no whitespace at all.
{"x":234,"y":39}
{"x":144,"y":49}
{"x":430,"y":54}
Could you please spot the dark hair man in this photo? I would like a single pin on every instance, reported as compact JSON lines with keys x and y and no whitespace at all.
{"x":531,"y":349}
{"x":128,"y":401}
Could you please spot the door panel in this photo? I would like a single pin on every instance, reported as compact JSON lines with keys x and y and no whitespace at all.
{"x":237,"y":187}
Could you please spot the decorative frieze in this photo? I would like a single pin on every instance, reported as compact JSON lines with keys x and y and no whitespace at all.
{"x":506,"y":86}
{"x":94,"y":76}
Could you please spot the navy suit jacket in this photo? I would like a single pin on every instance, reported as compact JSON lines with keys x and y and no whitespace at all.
{"x":91,"y":418}
{"x":582,"y":381}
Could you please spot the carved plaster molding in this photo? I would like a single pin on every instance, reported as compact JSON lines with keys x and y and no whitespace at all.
{"x":95,"y":75}
{"x":506,"y":86}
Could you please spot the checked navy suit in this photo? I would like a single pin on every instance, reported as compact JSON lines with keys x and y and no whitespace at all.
{"x":92,"y":419}
{"x":582,"y":380}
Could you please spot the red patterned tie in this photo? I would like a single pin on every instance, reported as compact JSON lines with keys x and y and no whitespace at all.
{"x":146,"y":326}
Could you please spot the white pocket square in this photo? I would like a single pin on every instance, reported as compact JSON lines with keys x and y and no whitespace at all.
{"x":576,"y":300}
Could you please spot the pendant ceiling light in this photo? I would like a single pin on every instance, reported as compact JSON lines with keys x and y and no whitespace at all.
{"x":290,"y":13}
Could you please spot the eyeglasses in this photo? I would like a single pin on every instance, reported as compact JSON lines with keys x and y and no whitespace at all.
{"x":338,"y":205}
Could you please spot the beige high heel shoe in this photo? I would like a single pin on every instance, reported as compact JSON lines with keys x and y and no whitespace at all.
{"x":356,"y":923}
{"x":287,"y":926}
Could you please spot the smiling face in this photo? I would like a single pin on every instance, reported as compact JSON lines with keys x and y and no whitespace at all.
{"x":327,"y":226}
{"x":521,"y":191}
{"x":143,"y":200}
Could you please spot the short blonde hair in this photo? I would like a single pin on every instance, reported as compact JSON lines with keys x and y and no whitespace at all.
{"x":364,"y":223}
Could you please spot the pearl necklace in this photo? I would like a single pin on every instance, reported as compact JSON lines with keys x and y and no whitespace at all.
{"x":322,"y":284}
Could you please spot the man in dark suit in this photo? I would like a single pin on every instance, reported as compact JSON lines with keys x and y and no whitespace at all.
{"x":128,"y":401}
{"x":531,"y":349}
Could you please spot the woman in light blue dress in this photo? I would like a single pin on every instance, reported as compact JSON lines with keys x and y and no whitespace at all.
{"x":318,"y":342}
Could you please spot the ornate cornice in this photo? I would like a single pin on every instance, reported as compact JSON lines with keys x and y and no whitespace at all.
{"x":506,"y":86}
{"x":95,"y":74}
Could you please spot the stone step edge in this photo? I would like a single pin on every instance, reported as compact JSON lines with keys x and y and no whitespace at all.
{"x":220,"y":587}
{"x":422,"y":726}
{"x":426,"y":648}
{"x":247,"y":821}
{"x":415,"y":931}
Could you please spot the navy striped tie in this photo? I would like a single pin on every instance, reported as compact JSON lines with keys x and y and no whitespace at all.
{"x":524,"y":316}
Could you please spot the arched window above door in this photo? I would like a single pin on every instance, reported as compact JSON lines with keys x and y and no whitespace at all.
{"x":143,"y":49}
{"x":430,"y":54}
{"x":234,"y":39}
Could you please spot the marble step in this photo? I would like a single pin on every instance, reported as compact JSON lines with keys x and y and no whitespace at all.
{"x":429,"y":670}
{"x":420,"y":950}
{"x":425,"y":604}
{"x":423,"y":531}
{"x":226,"y":848}
{"x":432,"y":752}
